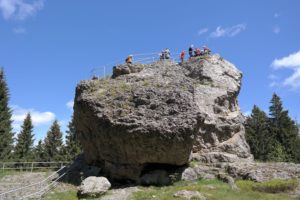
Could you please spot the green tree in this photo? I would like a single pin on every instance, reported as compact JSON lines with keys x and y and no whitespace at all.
{"x":296,"y":147}
{"x":284,"y":128}
{"x":39,"y":152}
{"x":6,"y":134}
{"x":72,"y":147}
{"x":24,"y":146}
{"x":277,"y":153}
{"x":258,"y":135}
{"x":53,"y":143}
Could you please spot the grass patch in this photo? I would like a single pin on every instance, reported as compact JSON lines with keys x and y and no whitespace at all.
{"x":9,"y":172}
{"x":70,"y":195}
{"x":212,"y":189}
{"x":272,"y":186}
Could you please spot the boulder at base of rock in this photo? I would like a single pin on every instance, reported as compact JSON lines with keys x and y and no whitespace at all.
{"x":185,"y":194}
{"x":93,"y":187}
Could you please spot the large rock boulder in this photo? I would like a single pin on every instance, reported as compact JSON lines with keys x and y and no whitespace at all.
{"x":93,"y":187}
{"x":156,"y":117}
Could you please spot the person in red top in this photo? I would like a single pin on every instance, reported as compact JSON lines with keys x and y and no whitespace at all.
{"x":129,"y":59}
{"x":182,"y":54}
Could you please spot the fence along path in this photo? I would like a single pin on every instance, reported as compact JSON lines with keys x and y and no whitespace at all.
{"x":142,"y":58}
{"x":31,"y":166}
{"x":38,"y":189}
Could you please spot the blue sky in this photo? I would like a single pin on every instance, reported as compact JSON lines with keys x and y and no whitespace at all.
{"x":47,"y":47}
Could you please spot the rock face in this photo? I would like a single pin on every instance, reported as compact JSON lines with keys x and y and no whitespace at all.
{"x":155,"y":117}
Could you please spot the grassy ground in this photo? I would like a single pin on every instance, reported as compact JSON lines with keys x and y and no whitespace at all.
{"x":70,"y":195}
{"x":212,"y":189}
{"x":9,"y":172}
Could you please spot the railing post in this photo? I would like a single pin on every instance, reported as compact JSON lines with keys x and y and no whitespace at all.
{"x":31,"y":167}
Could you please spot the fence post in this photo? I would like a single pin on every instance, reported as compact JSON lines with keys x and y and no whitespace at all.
{"x":3,"y":164}
{"x":31,"y":167}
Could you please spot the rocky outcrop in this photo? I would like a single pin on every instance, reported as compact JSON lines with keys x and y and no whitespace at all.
{"x":189,"y":195}
{"x":155,"y":117}
{"x":261,"y":172}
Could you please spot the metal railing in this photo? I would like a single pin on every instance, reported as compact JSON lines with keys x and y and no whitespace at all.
{"x":38,"y":189}
{"x":44,"y":190}
{"x":144,"y":58}
{"x":31,"y":166}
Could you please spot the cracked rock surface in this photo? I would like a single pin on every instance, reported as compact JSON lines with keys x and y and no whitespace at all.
{"x":160,"y":116}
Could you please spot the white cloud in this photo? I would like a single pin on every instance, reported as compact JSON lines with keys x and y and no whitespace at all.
{"x":274,"y":84}
{"x":19,"y":30}
{"x":202,"y":31}
{"x":292,"y":62}
{"x":273,"y":77}
{"x":20,"y":9}
{"x":276,"y":29}
{"x":38,"y":118}
{"x":228,"y":31}
{"x":274,"y":80}
{"x":70,"y":104}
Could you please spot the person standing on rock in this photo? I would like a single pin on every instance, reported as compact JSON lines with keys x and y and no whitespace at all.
{"x":197,"y":52}
{"x":168,"y":53}
{"x":182,"y":54}
{"x":191,"y":49}
{"x":162,"y":55}
{"x":206,"y":50}
{"x":129,"y":59}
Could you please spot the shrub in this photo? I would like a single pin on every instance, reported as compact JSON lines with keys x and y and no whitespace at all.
{"x":272,"y":186}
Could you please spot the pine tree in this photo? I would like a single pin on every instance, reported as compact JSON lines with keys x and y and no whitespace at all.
{"x":53,"y":143}
{"x":296,"y":147}
{"x":6,"y":134}
{"x":39,"y":152}
{"x":24,"y":146}
{"x":72,"y":147}
{"x":277,"y":153}
{"x":258,"y":135}
{"x":284,"y":128}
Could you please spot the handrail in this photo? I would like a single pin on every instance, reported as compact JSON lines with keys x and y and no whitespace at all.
{"x":33,"y":184}
{"x":137,"y":58}
{"x":43,"y":190}
{"x":47,"y":188}
{"x":33,"y":162}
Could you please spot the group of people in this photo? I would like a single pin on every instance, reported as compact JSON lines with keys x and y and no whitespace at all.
{"x":166,"y":54}
{"x":194,"y":52}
